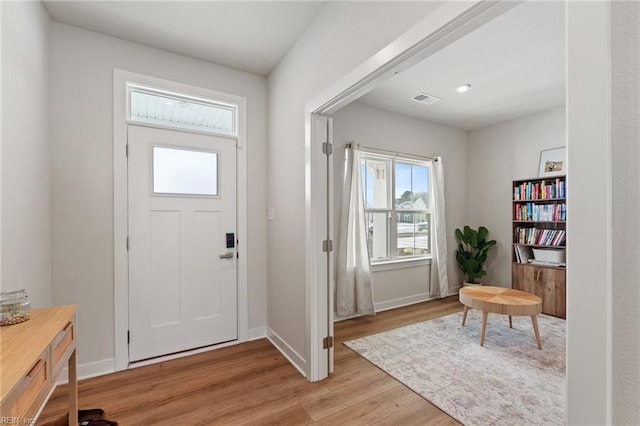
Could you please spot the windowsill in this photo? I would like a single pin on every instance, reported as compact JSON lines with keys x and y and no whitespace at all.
{"x":387,"y":265}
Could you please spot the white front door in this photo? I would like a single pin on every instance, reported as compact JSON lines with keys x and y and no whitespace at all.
{"x":182,"y":256}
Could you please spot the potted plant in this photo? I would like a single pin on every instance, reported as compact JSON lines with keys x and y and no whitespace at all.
{"x":472,"y":252}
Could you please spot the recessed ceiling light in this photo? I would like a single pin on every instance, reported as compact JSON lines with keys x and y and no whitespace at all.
{"x":463,"y":88}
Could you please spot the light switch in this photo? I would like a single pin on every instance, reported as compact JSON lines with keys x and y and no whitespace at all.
{"x":269,"y":213}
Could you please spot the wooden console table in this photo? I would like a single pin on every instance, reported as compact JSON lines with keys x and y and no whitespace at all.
{"x":32,"y":356}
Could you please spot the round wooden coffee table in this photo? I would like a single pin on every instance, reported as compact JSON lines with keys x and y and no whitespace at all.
{"x":499,"y":300}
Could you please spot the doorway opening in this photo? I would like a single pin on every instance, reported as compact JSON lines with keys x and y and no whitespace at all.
{"x":337,"y":106}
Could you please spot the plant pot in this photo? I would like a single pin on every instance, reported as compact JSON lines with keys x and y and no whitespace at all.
{"x":468,"y":284}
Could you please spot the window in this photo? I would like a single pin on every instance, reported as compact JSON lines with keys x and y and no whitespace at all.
{"x":161,"y":108}
{"x":396,"y":192}
{"x":184,"y":171}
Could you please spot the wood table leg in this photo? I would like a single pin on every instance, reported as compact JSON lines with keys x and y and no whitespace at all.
{"x":73,"y":390}
{"x":534,"y":320}
{"x":485,"y":315}
{"x":464,"y":316}
{"x":510,"y":322}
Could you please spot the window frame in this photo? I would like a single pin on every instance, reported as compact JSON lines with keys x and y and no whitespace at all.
{"x":393,"y":259}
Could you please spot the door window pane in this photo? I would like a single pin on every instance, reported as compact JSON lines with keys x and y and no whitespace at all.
{"x":182,"y":171}
{"x":413,"y":233}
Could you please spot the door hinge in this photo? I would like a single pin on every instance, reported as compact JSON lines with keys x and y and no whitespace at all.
{"x":327,"y":342}
{"x":327,"y":246}
{"x":128,"y":243}
{"x":128,"y":336}
{"x":327,"y":148}
{"x":127,"y":149}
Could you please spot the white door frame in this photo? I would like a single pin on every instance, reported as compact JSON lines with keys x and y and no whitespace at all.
{"x":120,"y":209}
{"x":445,"y":25}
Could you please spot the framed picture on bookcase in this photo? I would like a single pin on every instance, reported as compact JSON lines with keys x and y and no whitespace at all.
{"x":553,"y":162}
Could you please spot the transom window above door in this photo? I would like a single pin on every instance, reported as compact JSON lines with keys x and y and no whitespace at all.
{"x":161,"y":108}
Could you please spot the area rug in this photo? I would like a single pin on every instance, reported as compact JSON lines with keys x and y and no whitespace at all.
{"x":509,"y":381}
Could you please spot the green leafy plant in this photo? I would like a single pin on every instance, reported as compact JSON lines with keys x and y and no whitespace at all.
{"x":472,"y":251}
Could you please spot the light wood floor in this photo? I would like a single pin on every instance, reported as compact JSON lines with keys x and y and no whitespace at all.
{"x":252,"y":383}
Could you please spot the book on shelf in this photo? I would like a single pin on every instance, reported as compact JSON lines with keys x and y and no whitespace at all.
{"x":539,"y":236}
{"x":540,"y":190}
{"x":523,"y":253}
{"x":540,"y":212}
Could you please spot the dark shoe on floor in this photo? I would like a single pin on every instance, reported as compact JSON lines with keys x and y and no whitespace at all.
{"x":91,"y":414}
{"x":100,"y":422}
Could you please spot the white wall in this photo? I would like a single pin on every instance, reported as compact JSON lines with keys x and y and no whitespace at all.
{"x":381,"y":129}
{"x":497,"y":155}
{"x":26,"y":150}
{"x":82,"y":65}
{"x":625,"y":33}
{"x":343,"y":35}
{"x":589,"y":208}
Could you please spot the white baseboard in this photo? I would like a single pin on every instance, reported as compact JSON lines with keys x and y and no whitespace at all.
{"x":289,"y":353}
{"x":257,"y":333}
{"x":398,"y":303}
{"x":89,"y":370}
{"x":402,"y":301}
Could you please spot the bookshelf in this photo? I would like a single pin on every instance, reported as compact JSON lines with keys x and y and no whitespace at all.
{"x":539,"y":225}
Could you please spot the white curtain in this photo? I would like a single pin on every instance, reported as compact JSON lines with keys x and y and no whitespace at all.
{"x":439,"y":283}
{"x":354,"y":294}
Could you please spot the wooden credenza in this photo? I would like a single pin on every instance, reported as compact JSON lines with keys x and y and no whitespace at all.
{"x":32,"y":356}
{"x":546,"y":283}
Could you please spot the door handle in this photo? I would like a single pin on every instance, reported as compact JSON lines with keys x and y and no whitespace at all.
{"x":227,"y":255}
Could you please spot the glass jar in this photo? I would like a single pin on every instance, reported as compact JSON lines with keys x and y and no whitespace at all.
{"x":14,"y":307}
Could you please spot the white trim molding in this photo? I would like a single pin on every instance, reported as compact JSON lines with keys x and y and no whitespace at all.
{"x":89,"y":370}
{"x":288,"y":352}
{"x":400,"y":264}
{"x":120,"y":203}
{"x":402,"y":301}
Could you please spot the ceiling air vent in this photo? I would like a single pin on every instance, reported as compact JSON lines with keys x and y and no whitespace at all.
{"x":426,"y":99}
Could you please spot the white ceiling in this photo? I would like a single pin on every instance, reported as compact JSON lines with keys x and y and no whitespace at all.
{"x":515,"y":64}
{"x":248,"y":35}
